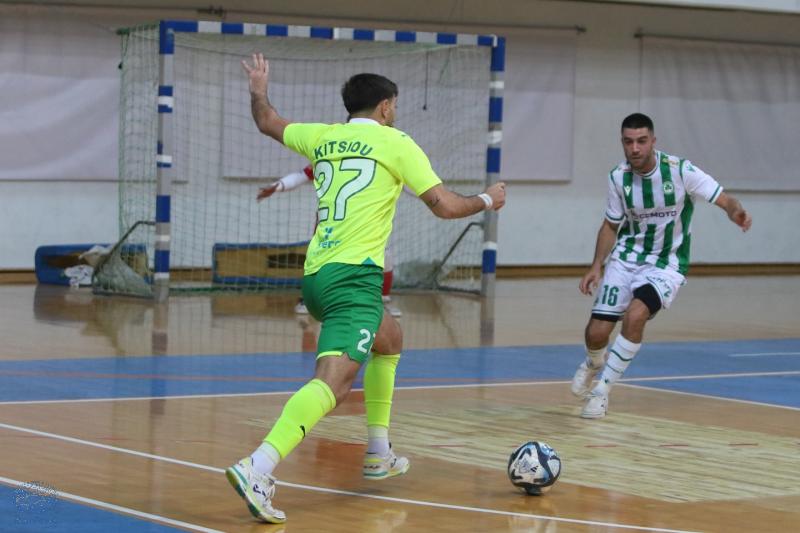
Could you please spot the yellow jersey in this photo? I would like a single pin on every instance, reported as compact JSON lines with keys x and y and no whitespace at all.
{"x":359,"y":171}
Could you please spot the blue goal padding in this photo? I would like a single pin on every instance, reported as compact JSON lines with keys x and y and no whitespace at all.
{"x":51,"y":260}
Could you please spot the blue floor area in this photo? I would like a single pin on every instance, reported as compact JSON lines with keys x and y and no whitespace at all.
{"x":125,"y":377}
{"x":25,"y":511}
{"x":774,"y":390}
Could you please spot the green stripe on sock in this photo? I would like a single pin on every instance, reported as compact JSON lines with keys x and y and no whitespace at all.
{"x":618,"y":355}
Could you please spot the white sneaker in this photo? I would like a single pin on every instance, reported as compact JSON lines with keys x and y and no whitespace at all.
{"x":256,"y":490}
{"x":582,"y":380}
{"x":381,"y":467}
{"x":301,"y":308}
{"x":394,"y":311}
{"x":596,"y":406}
{"x":386,"y":298}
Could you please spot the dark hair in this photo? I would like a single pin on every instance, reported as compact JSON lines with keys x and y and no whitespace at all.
{"x":638,"y":120}
{"x":363,"y":92}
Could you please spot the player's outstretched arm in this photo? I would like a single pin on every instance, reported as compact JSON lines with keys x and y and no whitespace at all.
{"x":267,"y":119}
{"x":735,"y":211}
{"x":606,"y":238}
{"x":448,"y":204}
{"x":287,"y":183}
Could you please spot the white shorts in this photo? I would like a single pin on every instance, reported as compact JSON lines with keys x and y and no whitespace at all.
{"x":621,"y":279}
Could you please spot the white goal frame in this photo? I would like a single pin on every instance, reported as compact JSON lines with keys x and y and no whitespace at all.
{"x":165,"y":174}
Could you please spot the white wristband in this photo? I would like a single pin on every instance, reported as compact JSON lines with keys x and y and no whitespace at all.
{"x":486,"y":200}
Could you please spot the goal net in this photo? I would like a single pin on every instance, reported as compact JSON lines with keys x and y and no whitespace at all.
{"x":213,"y":160}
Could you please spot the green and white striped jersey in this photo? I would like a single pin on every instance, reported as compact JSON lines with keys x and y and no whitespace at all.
{"x":655,"y":211}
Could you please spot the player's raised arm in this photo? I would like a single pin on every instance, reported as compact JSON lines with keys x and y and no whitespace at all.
{"x":267,"y":119}
{"x":445,"y":203}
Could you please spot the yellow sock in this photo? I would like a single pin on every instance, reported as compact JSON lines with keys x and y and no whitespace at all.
{"x":379,"y":388}
{"x":304,"y":409}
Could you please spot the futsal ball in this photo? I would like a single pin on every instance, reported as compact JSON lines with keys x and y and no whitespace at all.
{"x":534,"y":467}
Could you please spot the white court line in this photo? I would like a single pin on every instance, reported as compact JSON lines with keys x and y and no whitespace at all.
{"x":276,"y":393}
{"x":429,"y":387}
{"x":112,"y":507}
{"x":149,"y":398}
{"x":337,"y":491}
{"x":764,"y":354}
{"x":710,"y":397}
{"x":717,"y":376}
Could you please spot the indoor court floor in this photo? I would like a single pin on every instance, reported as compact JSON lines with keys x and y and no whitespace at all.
{"x":120,"y":415}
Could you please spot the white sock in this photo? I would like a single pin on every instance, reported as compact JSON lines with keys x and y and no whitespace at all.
{"x":265,"y":459}
{"x":596,"y":358}
{"x":378,"y":440}
{"x":619,"y":357}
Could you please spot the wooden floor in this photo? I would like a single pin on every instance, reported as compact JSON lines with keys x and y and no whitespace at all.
{"x":117,"y":414}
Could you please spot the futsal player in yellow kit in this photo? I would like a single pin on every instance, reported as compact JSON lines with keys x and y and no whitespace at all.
{"x":360,"y":168}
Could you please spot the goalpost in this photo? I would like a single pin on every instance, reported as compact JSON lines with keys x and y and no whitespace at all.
{"x":191,"y":159}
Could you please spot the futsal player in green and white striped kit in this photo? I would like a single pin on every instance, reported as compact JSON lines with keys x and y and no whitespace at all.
{"x":647,"y":232}
{"x":360,"y":168}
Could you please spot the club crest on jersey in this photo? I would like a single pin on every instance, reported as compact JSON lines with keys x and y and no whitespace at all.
{"x":669,"y":188}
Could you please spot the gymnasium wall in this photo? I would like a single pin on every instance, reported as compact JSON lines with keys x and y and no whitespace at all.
{"x":545,"y":222}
